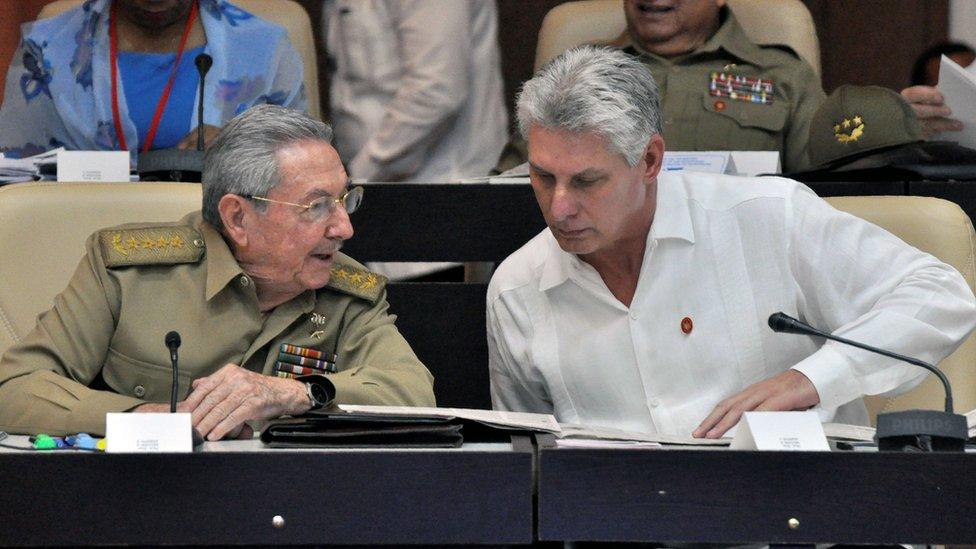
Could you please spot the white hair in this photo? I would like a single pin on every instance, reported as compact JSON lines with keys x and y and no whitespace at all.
{"x":594,"y":89}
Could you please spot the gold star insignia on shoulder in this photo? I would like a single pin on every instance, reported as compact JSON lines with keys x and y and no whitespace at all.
{"x":150,"y":245}
{"x":356,"y":281}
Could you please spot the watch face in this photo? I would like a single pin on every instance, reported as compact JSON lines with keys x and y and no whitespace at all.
{"x":319,"y":393}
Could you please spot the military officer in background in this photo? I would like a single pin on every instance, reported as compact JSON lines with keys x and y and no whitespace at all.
{"x":259,"y":268}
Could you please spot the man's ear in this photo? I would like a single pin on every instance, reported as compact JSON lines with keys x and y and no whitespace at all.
{"x":234,"y":213}
{"x":653,"y":157}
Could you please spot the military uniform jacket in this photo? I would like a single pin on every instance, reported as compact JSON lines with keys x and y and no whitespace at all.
{"x":699,"y":115}
{"x":101,"y":347}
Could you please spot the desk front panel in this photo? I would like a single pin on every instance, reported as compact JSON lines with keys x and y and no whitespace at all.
{"x":725,"y":496}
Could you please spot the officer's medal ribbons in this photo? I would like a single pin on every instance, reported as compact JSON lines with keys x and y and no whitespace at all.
{"x":294,"y":361}
{"x":741,"y":88}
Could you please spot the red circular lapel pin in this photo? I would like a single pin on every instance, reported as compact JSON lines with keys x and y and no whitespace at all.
{"x":686,"y":325}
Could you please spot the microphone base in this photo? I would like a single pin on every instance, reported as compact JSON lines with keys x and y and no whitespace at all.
{"x":171,"y":165}
{"x":921,"y":430}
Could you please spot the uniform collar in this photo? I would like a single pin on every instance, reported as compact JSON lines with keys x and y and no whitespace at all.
{"x":222,"y":267}
{"x":730,"y":37}
{"x":672,"y":220}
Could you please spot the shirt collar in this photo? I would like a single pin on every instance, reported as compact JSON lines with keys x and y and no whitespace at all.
{"x":222,"y":267}
{"x":672,"y":220}
{"x":730,"y":37}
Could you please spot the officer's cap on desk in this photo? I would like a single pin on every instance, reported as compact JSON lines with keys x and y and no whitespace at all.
{"x":856,"y":120}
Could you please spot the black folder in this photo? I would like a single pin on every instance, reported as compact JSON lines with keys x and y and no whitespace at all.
{"x":343,"y":430}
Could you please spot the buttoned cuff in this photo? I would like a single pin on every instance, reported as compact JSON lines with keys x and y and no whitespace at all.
{"x":832,"y":377}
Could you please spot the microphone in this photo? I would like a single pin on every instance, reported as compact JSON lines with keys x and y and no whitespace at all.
{"x":173,"y":343}
{"x":203,"y":63}
{"x":925,"y":429}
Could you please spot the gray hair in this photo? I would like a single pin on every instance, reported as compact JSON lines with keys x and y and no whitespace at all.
{"x":594,"y":89}
{"x":242,"y":159}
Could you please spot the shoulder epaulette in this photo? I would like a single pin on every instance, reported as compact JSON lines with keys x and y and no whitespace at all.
{"x":354,"y":280}
{"x":151,"y":245}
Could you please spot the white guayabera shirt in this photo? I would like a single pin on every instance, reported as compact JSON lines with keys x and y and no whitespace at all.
{"x":724,"y":253}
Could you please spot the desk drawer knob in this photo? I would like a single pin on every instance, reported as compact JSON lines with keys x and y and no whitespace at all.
{"x":793,"y":523}
{"x":278,"y":522}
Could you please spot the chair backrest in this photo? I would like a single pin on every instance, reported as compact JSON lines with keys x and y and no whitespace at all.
{"x":287,"y":13}
{"x":43,"y":227}
{"x":786,"y":22}
{"x":942,"y":229}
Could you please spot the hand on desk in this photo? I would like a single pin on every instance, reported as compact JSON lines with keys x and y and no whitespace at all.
{"x":931,"y":110}
{"x":221,"y":402}
{"x":790,"y":390}
{"x":189,"y":141}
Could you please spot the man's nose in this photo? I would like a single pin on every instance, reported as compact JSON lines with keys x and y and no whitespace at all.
{"x":563,"y":204}
{"x":339,"y":226}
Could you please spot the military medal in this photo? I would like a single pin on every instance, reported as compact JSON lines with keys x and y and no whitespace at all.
{"x":741,"y":88}
{"x":318,"y":321}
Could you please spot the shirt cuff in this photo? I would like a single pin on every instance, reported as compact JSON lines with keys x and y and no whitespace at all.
{"x":832,"y":377}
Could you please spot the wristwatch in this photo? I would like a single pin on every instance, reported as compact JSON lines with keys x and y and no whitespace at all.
{"x":319,"y":389}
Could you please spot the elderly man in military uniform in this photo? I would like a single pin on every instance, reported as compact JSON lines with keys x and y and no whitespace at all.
{"x":258,"y":269}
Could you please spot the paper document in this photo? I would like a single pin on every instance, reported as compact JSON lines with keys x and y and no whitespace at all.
{"x":517,"y":420}
{"x":608,"y":434}
{"x":958,"y":86}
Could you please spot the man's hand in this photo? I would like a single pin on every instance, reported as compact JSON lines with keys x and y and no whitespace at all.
{"x":931,"y":110}
{"x":244,"y":431}
{"x":790,"y":390}
{"x":222,"y":402}
{"x":189,"y":141}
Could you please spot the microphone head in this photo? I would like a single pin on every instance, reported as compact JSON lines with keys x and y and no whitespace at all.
{"x":780,"y":322}
{"x":173,"y":340}
{"x":203,"y":62}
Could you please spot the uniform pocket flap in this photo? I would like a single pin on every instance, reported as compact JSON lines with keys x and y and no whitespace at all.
{"x":770,"y":117}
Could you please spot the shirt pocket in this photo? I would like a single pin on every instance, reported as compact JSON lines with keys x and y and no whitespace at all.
{"x":733,"y":124}
{"x":366,"y":48}
{"x":143,"y":380}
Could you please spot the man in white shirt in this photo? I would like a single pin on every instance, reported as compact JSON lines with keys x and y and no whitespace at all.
{"x":416,"y":92}
{"x":644,"y":305}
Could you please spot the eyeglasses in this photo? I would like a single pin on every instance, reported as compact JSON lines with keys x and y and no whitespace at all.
{"x":323,"y":208}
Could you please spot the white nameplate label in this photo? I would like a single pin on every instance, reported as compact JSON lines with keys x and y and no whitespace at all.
{"x":719,"y":162}
{"x":110,"y":166}
{"x":136,"y":433}
{"x":780,"y":431}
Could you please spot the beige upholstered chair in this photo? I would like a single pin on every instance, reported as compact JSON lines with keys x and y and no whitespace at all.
{"x":602,"y":22}
{"x":286,"y":13}
{"x":43,"y":227}
{"x":942,"y":229}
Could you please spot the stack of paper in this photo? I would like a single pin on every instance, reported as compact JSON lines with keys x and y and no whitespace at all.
{"x":17,"y":170}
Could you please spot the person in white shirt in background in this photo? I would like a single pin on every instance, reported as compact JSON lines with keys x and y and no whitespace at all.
{"x":644,"y":305}
{"x":416,"y":92}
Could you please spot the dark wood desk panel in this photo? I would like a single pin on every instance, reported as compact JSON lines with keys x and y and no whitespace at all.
{"x":325,"y":497}
{"x":749,"y":497}
{"x":859,"y":188}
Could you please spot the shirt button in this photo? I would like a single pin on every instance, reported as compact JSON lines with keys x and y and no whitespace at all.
{"x":668,"y":122}
{"x":245,"y":281}
{"x":139,"y":391}
{"x":654,"y":402}
{"x":633,"y":315}
{"x":198,"y":242}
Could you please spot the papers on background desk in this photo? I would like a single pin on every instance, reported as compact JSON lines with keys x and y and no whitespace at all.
{"x":958,"y":86}
{"x":19,"y":170}
{"x":518,"y":420}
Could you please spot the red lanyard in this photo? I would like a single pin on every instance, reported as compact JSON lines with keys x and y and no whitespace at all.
{"x":163,"y":99}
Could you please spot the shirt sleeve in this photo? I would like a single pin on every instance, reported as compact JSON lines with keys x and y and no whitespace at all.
{"x":385,"y":369}
{"x":809,"y":96}
{"x":864,"y":284}
{"x":29,"y":121}
{"x":44,"y":379}
{"x":509,"y":360}
{"x":434,"y":52}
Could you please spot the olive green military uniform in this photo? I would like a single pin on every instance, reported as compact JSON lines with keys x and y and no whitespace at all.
{"x":138,"y":282}
{"x":695,"y":120}
{"x":692,"y":119}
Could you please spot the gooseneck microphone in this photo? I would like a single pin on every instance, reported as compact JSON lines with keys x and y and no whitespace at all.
{"x":917,"y":429}
{"x":783,"y":323}
{"x":173,"y":344}
{"x":203,"y":63}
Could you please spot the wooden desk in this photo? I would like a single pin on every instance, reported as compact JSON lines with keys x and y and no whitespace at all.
{"x":229,"y":493}
{"x":724,"y":496}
